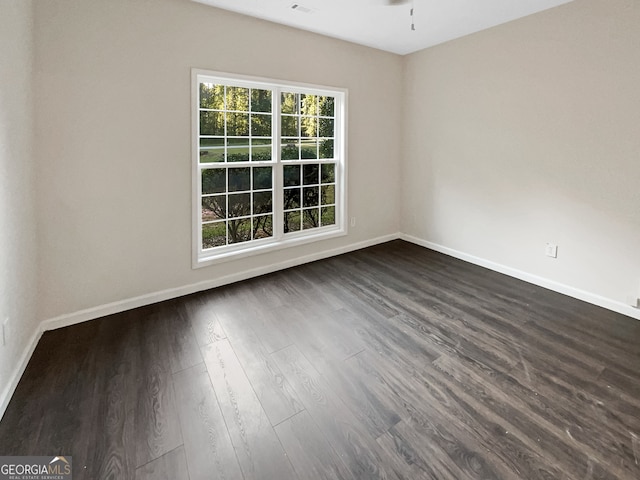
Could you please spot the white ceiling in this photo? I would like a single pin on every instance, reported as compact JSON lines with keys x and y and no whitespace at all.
{"x":378,"y":24}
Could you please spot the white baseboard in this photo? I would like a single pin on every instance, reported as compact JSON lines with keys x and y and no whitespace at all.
{"x":585,"y":296}
{"x":7,"y":393}
{"x":154,"y":297}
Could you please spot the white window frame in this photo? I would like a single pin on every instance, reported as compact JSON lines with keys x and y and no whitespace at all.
{"x":204,"y":257}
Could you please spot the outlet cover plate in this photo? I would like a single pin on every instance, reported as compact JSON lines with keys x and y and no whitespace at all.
{"x":5,"y":331}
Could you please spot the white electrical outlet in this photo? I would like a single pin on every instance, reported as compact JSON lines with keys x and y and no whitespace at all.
{"x":5,"y":331}
{"x":633,"y":301}
{"x":353,"y":221}
{"x":551,"y":250}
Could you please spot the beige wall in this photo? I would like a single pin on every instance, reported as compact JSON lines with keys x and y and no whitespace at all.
{"x":530,"y":133}
{"x":18,"y":250}
{"x":114,"y":144}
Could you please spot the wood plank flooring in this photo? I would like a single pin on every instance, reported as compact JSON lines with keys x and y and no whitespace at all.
{"x":392,"y":362}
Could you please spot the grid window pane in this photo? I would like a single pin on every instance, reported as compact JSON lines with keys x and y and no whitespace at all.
{"x":262,"y":202}
{"x":310,"y":197}
{"x":239,"y":179}
{"x":311,"y":173}
{"x":263,"y":226}
{"x":309,"y":150}
{"x":211,"y":96}
{"x":214,"y":208}
{"x":326,"y":127}
{"x":214,"y":180}
{"x":326,"y":106}
{"x":289,"y":126}
{"x":261,"y":150}
{"x":309,"y":127}
{"x":309,"y":104}
{"x":326,"y":148}
{"x":328,"y":216}
{"x":310,"y":219}
{"x":211,"y":123}
{"x":260,"y":100}
{"x":292,"y":221}
{"x":261,"y":125}
{"x":289,"y":103}
{"x":328,"y":173}
{"x":211,"y":150}
{"x":237,"y":124}
{"x":239,"y":230}
{"x":290,"y":150}
{"x":214,"y":235}
{"x":237,"y":150}
{"x":291,"y":175}
{"x":291,"y":198}
{"x":238,"y":99}
{"x":239,"y":205}
{"x":262,"y":178}
{"x":328,"y":194}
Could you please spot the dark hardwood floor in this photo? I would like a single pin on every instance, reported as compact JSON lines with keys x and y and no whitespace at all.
{"x":392,"y":362}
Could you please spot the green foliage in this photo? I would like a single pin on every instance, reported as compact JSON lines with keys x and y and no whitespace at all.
{"x":212,"y":123}
{"x":262,"y":178}
{"x":291,"y":175}
{"x":328,"y":216}
{"x":212,"y":96}
{"x":309,"y":111}
{"x":310,"y":197}
{"x":262,"y":226}
{"x":237,"y":99}
{"x":290,"y":152}
{"x":328,"y":174}
{"x":289,"y":103}
{"x":260,"y":125}
{"x":291,"y":221}
{"x":310,"y":218}
{"x":244,"y":156}
{"x":214,"y":181}
{"x":214,"y":235}
{"x":260,"y":100}
{"x":326,"y":148}
{"x":239,"y":230}
{"x":326,"y":106}
{"x":328,"y":194}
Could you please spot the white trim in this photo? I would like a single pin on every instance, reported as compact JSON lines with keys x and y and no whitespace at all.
{"x":269,"y":246}
{"x":7,"y":393}
{"x":154,"y":297}
{"x":568,"y":290}
{"x":195,"y":170}
{"x":204,"y":258}
{"x":251,"y":81}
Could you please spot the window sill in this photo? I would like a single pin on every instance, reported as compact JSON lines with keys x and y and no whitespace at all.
{"x":206,"y":259}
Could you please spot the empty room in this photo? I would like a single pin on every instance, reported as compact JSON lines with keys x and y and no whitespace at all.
{"x":327,"y":239}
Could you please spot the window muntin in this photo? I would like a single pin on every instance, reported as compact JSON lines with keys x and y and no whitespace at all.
{"x":269,"y":165}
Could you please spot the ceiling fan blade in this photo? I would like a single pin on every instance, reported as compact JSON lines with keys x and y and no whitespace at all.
{"x":396,"y":2}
